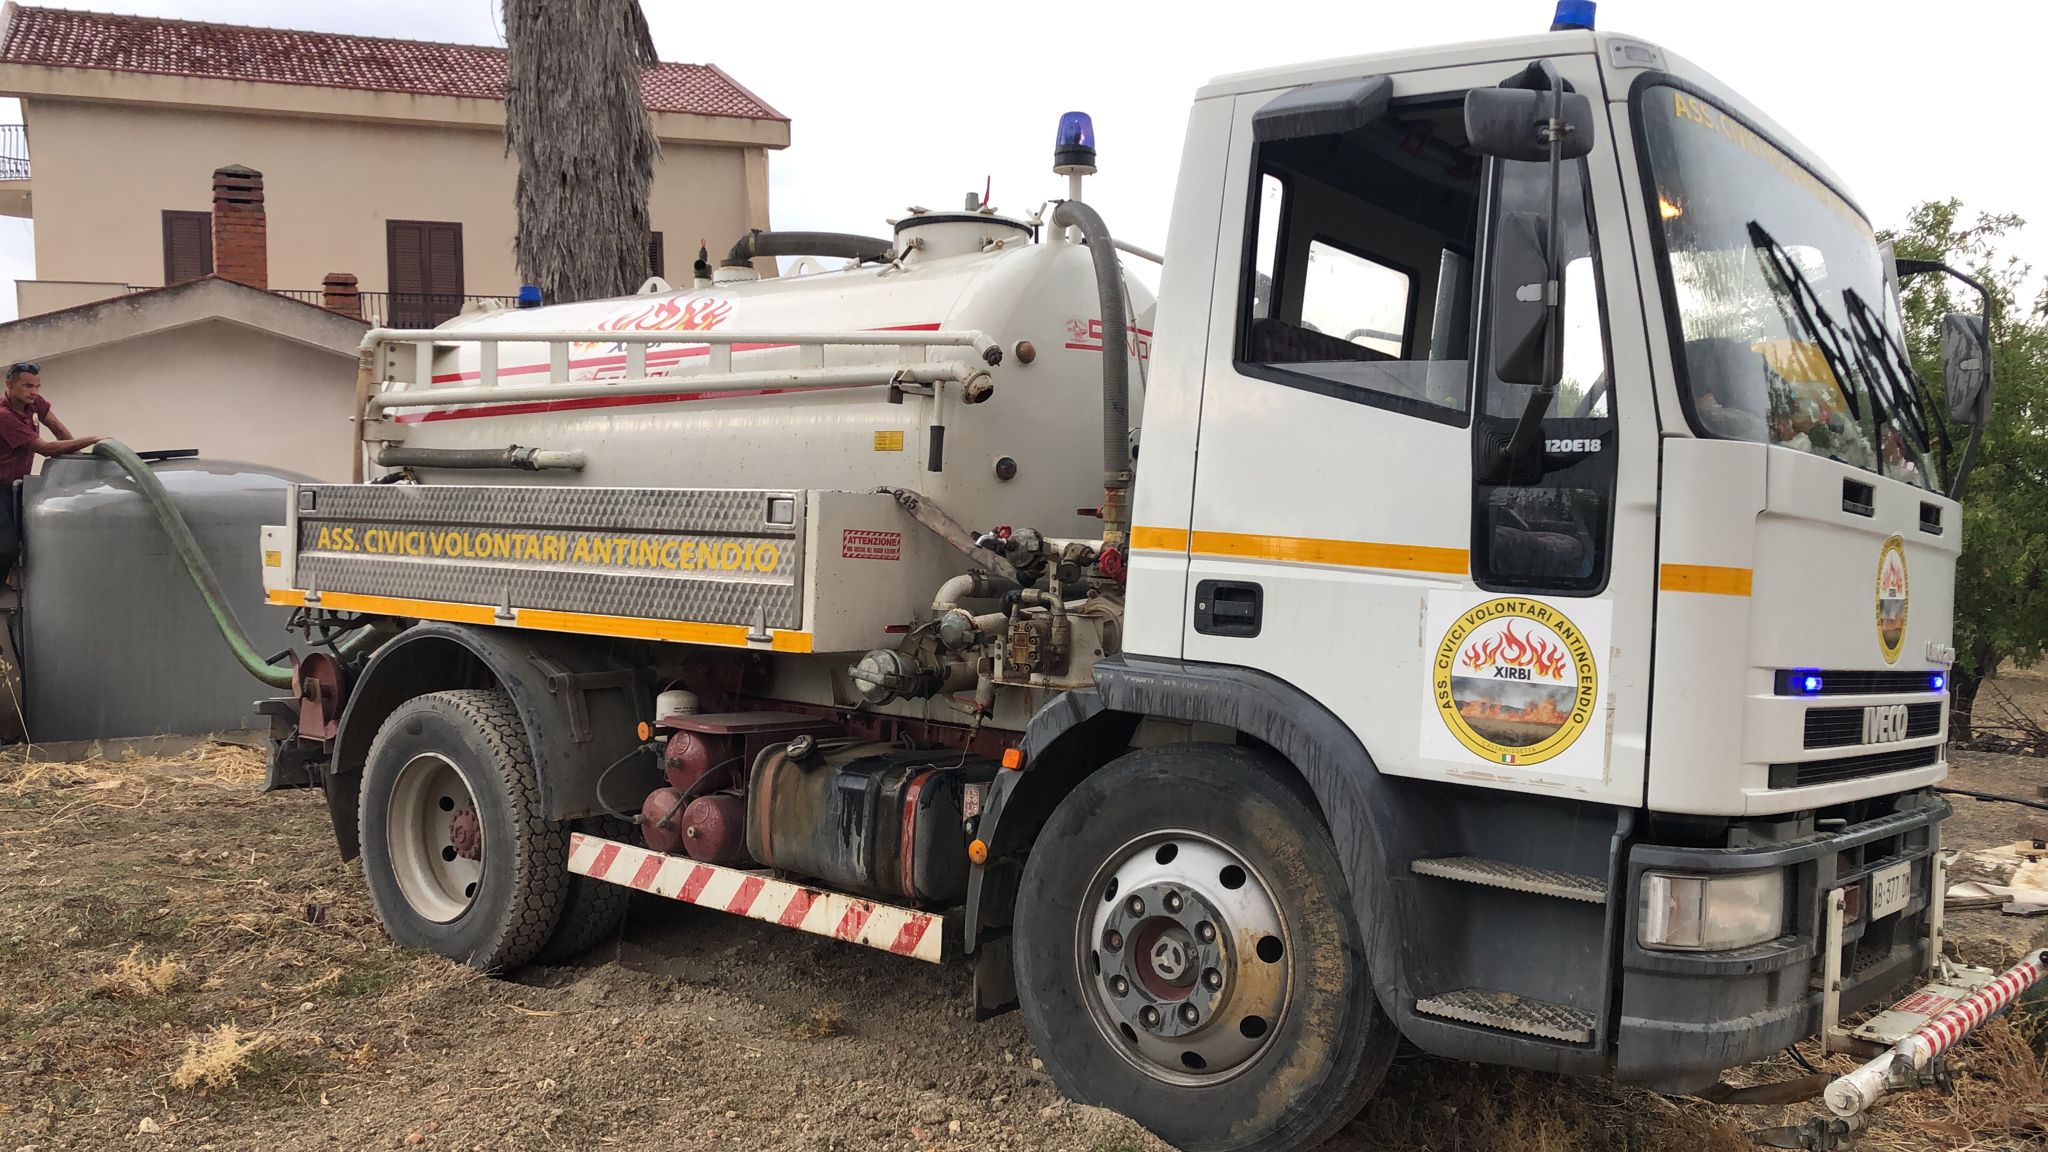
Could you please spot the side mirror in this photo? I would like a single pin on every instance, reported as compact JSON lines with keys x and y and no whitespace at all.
{"x":1520,"y":317}
{"x":1508,"y":123}
{"x":1966,"y":367}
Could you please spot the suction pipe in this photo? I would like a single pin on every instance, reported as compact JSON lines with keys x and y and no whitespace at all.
{"x":187,"y":547}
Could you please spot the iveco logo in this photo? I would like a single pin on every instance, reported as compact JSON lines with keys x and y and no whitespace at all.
{"x":1884,"y":723}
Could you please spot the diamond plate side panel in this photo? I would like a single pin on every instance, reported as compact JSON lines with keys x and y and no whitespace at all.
{"x":701,"y":555}
{"x":721,"y":511}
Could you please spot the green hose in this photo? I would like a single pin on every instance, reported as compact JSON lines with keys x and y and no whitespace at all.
{"x":276,"y":676}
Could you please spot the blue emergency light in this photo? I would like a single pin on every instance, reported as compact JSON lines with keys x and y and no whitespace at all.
{"x":1074,"y":151}
{"x":1573,"y":15}
{"x":1806,"y":683}
{"x":529,"y":295}
{"x":1937,"y":682}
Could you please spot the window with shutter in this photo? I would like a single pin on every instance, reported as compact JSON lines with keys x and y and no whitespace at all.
{"x":425,"y":263}
{"x":657,"y":261}
{"x":188,"y":246}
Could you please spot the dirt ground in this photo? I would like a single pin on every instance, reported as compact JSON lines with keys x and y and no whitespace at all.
{"x":185,"y":965}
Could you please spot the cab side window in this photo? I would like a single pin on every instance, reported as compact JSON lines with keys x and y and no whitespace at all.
{"x":1359,"y":284}
{"x":1549,"y":530}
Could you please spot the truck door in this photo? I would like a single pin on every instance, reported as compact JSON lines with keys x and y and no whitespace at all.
{"x":1339,"y":538}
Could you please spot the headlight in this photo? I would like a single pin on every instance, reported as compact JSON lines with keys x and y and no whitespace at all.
{"x":1710,"y":913}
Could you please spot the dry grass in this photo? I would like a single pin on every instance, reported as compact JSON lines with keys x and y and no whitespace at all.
{"x":135,"y":976}
{"x":216,"y":1060}
{"x":821,"y":1024}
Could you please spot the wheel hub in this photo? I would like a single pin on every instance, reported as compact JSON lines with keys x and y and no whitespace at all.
{"x":1184,"y":952}
{"x":435,"y":837}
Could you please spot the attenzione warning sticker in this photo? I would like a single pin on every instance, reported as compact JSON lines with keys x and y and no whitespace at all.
{"x":865,"y":544}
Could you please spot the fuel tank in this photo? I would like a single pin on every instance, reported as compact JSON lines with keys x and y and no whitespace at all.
{"x":869,"y":818}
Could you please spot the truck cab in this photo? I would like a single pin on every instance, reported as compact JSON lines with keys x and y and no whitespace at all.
{"x":1695,"y":654}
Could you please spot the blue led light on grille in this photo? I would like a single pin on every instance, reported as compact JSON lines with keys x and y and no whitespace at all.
{"x":1807,"y":683}
{"x":1573,"y":15}
{"x":1937,"y":682}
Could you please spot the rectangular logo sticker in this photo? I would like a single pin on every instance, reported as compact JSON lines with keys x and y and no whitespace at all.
{"x":863,"y":544}
{"x":889,"y":440}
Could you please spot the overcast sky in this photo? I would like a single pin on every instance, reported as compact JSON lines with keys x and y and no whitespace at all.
{"x":917,"y":104}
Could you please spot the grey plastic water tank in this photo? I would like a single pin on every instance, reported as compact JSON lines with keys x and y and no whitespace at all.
{"x":117,"y":642}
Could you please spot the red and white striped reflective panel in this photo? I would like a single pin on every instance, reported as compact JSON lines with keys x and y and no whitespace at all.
{"x":1940,"y":1033}
{"x":903,"y":931}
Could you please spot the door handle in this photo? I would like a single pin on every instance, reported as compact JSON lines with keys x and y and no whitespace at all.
{"x":1228,"y":607}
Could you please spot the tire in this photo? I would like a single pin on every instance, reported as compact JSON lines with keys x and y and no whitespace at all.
{"x":592,"y":910}
{"x":437,"y":757}
{"x":1321,"y":1043}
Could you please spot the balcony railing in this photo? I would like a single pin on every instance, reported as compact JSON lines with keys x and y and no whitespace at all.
{"x":400,"y":309}
{"x":13,"y":152}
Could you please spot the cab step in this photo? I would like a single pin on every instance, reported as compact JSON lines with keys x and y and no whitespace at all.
{"x":1511,"y":1013}
{"x":1515,"y":877}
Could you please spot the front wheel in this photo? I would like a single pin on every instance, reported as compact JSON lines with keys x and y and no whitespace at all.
{"x":1186,"y":954}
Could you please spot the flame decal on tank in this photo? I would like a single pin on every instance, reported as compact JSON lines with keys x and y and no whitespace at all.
{"x":694,"y":314}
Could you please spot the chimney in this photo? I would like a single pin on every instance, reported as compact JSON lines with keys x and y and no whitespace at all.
{"x":338,"y":294}
{"x":240,"y":247}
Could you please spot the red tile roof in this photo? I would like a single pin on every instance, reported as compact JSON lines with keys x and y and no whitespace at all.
{"x":58,"y":38}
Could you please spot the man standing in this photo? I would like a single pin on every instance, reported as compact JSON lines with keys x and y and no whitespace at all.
{"x":21,"y":443}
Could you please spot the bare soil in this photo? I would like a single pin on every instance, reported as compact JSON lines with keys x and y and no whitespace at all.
{"x":184,"y":964}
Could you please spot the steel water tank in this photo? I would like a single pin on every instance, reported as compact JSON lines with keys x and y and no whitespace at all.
{"x":116,"y":641}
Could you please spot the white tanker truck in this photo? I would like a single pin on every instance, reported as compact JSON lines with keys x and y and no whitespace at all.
{"x":1522,"y":626}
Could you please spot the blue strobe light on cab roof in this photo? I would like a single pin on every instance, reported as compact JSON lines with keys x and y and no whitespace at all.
{"x":1073,"y":154}
{"x":1573,"y":15}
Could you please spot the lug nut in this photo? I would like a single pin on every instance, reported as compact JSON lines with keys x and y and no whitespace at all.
{"x":1188,"y":1014}
{"x":1112,"y":940}
{"x":1213,"y":979}
{"x":1149,"y":1016}
{"x":1206,"y":931}
{"x":1173,"y":901}
{"x":1119,"y":985}
{"x":1135,"y":905}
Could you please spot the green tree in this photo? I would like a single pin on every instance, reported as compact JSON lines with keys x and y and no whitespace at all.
{"x":575,"y":121}
{"x":2001,"y":596}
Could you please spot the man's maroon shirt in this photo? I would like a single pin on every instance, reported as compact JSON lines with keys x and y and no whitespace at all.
{"x":18,"y":436}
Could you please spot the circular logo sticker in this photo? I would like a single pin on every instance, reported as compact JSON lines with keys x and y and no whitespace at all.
{"x":1515,"y":681}
{"x":1892,"y":599}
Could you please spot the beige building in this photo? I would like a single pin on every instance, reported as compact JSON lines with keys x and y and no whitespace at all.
{"x":380,"y":158}
{"x":233,"y":371}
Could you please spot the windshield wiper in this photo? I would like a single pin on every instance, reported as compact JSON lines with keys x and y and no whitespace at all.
{"x":1819,"y":327}
{"x":1896,"y":369}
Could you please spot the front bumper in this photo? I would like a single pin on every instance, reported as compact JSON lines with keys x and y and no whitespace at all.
{"x":1687,"y":1016}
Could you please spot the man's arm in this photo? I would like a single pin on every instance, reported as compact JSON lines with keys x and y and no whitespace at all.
{"x":61,"y":447}
{"x":51,"y":422}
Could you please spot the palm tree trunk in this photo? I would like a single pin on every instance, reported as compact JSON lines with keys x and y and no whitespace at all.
{"x":575,"y":122}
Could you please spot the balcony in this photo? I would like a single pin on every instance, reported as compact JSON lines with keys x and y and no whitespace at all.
{"x":14,"y":189}
{"x":379,"y":309}
{"x":13,"y":152}
{"x":398,"y":309}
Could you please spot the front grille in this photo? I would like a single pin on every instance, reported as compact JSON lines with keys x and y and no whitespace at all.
{"x":1852,"y":767}
{"x":1836,"y":727}
{"x":1845,"y":683}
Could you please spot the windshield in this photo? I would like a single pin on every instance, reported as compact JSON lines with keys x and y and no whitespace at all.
{"x":1786,"y":319}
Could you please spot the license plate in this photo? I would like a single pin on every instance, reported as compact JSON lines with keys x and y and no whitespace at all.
{"x":1890,"y":890}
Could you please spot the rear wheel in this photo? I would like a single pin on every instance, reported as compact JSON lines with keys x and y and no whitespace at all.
{"x":456,"y":854}
{"x":592,"y":910}
{"x":1186,"y":954}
